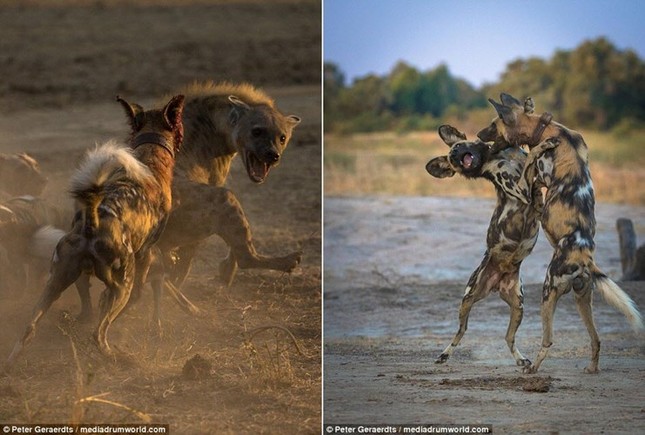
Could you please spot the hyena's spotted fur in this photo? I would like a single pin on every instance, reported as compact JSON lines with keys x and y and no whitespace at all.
{"x":568,"y":217}
{"x":512,"y":232}
{"x":221,"y":121}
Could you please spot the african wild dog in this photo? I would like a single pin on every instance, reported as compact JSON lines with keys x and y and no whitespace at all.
{"x":20,"y":175}
{"x":512,"y":232}
{"x":220,"y":121}
{"x":568,"y":218}
{"x":124,"y":198}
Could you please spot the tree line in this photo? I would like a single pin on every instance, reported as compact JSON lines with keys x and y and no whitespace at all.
{"x":595,"y":85}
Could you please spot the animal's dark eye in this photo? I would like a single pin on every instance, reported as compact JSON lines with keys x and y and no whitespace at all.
{"x":256,"y":132}
{"x":283,"y":139}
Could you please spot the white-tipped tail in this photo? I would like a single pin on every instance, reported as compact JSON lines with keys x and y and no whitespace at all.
{"x":44,"y":241}
{"x":617,"y":298}
{"x":107,"y":163}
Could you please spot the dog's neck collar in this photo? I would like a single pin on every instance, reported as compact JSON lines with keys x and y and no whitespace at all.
{"x":156,"y":139}
{"x":544,"y":121}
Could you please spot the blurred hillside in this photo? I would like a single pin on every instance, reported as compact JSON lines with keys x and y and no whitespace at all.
{"x":595,"y":86}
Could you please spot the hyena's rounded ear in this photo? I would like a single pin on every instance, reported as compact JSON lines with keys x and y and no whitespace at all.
{"x":506,"y":113}
{"x":450,"y":135}
{"x":134,"y":112}
{"x":238,"y":109}
{"x":293,"y":120}
{"x":529,"y":105}
{"x":439,"y":167}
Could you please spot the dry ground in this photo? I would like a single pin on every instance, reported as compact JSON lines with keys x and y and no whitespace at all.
{"x":61,"y":68}
{"x":395,"y":272}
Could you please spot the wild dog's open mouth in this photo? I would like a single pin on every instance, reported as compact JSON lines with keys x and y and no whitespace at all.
{"x":467,"y":161}
{"x":257,"y":169}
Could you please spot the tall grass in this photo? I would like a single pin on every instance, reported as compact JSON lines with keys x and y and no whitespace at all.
{"x":391,"y":163}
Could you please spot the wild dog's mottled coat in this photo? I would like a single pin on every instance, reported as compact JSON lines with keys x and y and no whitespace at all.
{"x":568,"y":218}
{"x":124,"y":199}
{"x":512,"y":232}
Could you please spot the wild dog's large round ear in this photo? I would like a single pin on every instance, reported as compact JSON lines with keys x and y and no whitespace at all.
{"x":173,"y":111}
{"x":509,"y":100}
{"x":504,"y":112}
{"x":172,"y":115}
{"x":529,"y":105}
{"x":238,"y":109}
{"x":450,"y":135}
{"x":134,"y":113}
{"x":440,"y":168}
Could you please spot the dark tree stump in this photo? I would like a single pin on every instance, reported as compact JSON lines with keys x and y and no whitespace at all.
{"x":632,"y":260}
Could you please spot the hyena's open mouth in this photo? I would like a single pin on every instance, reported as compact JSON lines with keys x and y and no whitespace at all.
{"x":256,"y":168}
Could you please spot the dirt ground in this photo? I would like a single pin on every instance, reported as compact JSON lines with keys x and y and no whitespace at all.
{"x":61,"y":68}
{"x":395,"y":272}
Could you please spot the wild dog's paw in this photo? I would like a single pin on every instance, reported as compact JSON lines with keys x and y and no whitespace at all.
{"x":442,"y":358}
{"x":530,"y":369}
{"x":524,"y":362}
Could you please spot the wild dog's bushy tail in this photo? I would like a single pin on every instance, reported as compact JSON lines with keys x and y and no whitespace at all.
{"x":44,"y":241}
{"x":104,"y":165}
{"x":617,"y":298}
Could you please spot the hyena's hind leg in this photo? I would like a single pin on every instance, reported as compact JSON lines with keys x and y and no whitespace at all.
{"x":476,"y":290}
{"x":219,"y":212}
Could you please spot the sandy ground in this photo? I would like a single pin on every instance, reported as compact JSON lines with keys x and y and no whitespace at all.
{"x":395,"y":271}
{"x":62,"y":67}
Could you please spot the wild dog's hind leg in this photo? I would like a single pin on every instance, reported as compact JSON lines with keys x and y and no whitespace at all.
{"x":476,"y":290}
{"x":512,"y":293}
{"x":583,"y":295}
{"x":114,"y":298}
{"x":83,"y":288}
{"x":554,"y":287}
{"x":65,"y":269}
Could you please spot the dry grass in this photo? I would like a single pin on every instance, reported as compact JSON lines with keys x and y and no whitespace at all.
{"x":394,"y":164}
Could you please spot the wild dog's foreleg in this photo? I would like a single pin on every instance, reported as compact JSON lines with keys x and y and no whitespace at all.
{"x":512,"y":293}
{"x":65,"y":269}
{"x":476,"y":290}
{"x":83,"y":288}
{"x":113,"y":299}
{"x":583,"y":292}
{"x":525,"y":183}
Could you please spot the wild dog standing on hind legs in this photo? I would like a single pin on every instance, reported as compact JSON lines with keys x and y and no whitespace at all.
{"x":512,"y":232}
{"x":568,"y":218}
{"x":124,"y":198}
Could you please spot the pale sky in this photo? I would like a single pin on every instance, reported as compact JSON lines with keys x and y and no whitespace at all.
{"x":475,"y":38}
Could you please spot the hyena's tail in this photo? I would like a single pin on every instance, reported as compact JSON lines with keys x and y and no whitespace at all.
{"x":617,"y":298}
{"x":107,"y":164}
